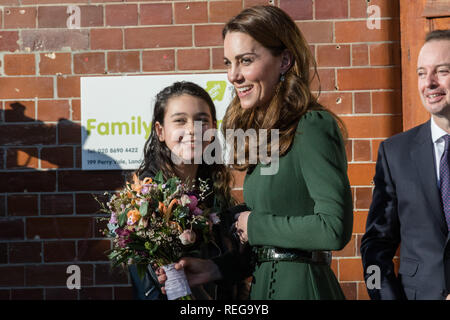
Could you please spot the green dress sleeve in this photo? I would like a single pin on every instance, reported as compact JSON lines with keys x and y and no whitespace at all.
{"x":319,"y":155}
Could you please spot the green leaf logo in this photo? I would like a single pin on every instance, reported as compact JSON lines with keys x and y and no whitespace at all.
{"x":216,"y":89}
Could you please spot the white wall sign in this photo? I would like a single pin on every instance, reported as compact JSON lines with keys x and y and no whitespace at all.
{"x":116,"y":114}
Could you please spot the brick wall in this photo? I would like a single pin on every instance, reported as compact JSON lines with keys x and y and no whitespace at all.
{"x":47,"y":213}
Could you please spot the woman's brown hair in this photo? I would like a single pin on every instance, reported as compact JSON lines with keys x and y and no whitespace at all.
{"x":276,"y":31}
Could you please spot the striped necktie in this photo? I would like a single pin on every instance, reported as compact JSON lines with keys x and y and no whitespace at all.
{"x":444,"y":175}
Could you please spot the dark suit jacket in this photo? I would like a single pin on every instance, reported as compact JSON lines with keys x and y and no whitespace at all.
{"x":406,"y":209}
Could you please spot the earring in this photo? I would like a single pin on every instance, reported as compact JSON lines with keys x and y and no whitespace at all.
{"x":282,"y":78}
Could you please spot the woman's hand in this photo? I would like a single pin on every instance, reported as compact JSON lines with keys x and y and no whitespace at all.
{"x":198,"y":271}
{"x":241,"y":226}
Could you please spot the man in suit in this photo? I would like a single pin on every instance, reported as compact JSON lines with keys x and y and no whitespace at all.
{"x":411,"y":199}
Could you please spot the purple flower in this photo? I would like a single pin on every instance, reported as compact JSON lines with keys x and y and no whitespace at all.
{"x":197,"y":211}
{"x":113,"y":219}
{"x":193,"y":203}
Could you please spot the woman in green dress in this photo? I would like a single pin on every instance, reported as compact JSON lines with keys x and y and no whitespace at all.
{"x":302,"y":209}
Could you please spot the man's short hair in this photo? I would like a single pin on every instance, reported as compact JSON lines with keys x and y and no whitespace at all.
{"x":438,"y":35}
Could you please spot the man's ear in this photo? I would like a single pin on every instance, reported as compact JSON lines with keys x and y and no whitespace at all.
{"x":287,"y":60}
{"x":159,"y":131}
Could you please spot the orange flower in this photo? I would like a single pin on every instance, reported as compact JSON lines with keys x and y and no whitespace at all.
{"x":133,"y":217}
{"x":147,"y":181}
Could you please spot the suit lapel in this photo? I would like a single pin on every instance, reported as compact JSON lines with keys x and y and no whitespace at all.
{"x":422,"y":152}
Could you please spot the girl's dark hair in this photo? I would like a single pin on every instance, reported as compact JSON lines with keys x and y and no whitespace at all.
{"x":157,"y":157}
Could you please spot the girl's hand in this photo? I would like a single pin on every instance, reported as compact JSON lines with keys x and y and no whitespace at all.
{"x":198,"y":271}
{"x":241,"y":226}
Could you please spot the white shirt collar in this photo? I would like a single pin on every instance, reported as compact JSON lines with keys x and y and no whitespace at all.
{"x":436,"y":132}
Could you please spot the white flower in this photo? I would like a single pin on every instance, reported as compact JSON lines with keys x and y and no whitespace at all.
{"x":187,"y":237}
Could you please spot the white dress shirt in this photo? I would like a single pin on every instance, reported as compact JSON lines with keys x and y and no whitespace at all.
{"x":439,"y":145}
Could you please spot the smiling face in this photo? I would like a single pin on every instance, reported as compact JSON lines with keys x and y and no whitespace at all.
{"x":252,"y":69}
{"x":433,"y":70}
{"x":177,"y":129}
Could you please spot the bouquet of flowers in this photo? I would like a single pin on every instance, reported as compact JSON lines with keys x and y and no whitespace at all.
{"x":156,"y":222}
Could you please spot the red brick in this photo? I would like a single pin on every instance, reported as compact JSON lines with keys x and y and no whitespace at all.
{"x":15,"y":18}
{"x":56,"y":204}
{"x":26,"y":87}
{"x":11,"y":229}
{"x":359,"y":221}
{"x":52,"y":17}
{"x":91,"y":16}
{"x":3,"y":253}
{"x":20,"y":111}
{"x":128,"y":61}
{"x":22,"y":158}
{"x":338,"y":102}
{"x":158,"y":60}
{"x":375,"y":145}
{"x":54,"y":1}
{"x":222,"y":11}
{"x":98,"y":180}
{"x":53,"y":110}
{"x":155,"y":13}
{"x":90,"y":63}
{"x":41,"y":181}
{"x":384,"y":54}
{"x":57,"y":157}
{"x":23,"y":205}
{"x":86,"y":203}
{"x":349,"y":152}
{"x":69,"y":132}
{"x":121,"y":15}
{"x":59,"y":251}
{"x":59,"y":228}
{"x":362,"y":102}
{"x":388,"y":8}
{"x":217,"y":59}
{"x":9,"y":41}
{"x":93,"y":250}
{"x":363,"y":198}
{"x":76,"y":110}
{"x":362,"y":291}
{"x":56,"y":275}
{"x":368,"y":78}
{"x":96,"y":293}
{"x":27,"y":134}
{"x":191,"y":12}
{"x":333,"y":55}
{"x":361,"y":174}
{"x":104,"y":275}
{"x":68,"y":87}
{"x":360,"y":54}
{"x":326,"y":10}
{"x":27,"y":294}
{"x":251,"y":3}
{"x":15,"y":278}
{"x":60,"y":294}
{"x":387,"y":102}
{"x":373,"y":126}
{"x":362,"y":150}
{"x":357,"y":31}
{"x":157,"y":37}
{"x":350,"y":270}
{"x":123,"y":293}
{"x":327,"y":80}
{"x":208,"y":35}
{"x":358,"y":8}
{"x":104,"y":39}
{"x":349,"y":289}
{"x":55,"y":40}
{"x":298,"y":9}
{"x":55,"y":63}
{"x":24,"y":252}
{"x":193,"y":59}
{"x":317,"y":31}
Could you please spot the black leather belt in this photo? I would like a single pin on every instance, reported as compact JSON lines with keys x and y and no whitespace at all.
{"x":264,"y":254}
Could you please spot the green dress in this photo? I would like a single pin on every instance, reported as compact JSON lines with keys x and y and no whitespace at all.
{"x":306,"y":205}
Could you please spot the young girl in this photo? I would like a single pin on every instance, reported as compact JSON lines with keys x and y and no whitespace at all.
{"x":173,"y":149}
